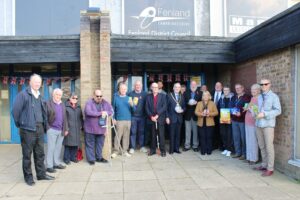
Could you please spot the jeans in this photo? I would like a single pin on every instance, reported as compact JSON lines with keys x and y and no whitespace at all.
{"x":137,"y":128}
{"x":239,"y":138}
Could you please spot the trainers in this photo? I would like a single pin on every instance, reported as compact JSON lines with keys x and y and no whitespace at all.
{"x":131,"y":151}
{"x":114,"y":155}
{"x":224,"y":152}
{"x":144,"y":150}
{"x":228,"y":153}
{"x":127,"y":154}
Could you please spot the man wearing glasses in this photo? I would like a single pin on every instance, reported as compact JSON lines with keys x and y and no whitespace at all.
{"x":96,"y":111}
{"x":268,"y":109}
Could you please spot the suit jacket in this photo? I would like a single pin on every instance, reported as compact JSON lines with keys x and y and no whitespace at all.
{"x":190,"y":110}
{"x":161,"y":107}
{"x":213,"y":112}
{"x":213,"y":97}
{"x":171,"y":113}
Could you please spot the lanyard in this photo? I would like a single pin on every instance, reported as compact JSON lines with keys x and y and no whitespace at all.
{"x":179,"y":97}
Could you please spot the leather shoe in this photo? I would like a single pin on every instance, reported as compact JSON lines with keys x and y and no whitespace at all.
{"x":242,"y":158}
{"x":91,"y":162}
{"x":102,"y":160}
{"x":51,"y":170}
{"x":46,"y":177}
{"x":185,"y":149}
{"x":195,"y":149}
{"x":163,"y":154}
{"x":59,"y":167}
{"x":177,"y":152}
{"x":236,"y":156}
{"x":267,"y":173}
{"x":30,"y":182}
{"x":260,"y":168}
{"x":151,"y":153}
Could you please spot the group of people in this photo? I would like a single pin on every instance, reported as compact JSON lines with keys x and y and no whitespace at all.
{"x":243,"y":122}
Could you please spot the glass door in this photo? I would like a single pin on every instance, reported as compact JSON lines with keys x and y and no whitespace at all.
{"x":5,"y":136}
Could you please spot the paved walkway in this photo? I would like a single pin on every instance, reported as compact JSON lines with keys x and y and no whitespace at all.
{"x":186,"y":176}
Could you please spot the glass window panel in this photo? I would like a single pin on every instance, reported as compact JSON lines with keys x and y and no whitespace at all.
{"x":5,"y":135}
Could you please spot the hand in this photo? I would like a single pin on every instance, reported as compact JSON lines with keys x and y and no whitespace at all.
{"x":153,"y":118}
{"x":104,"y":114}
{"x":203,"y":114}
{"x":156,"y":117}
{"x":130,"y":102}
{"x":207,"y":112}
{"x":167,"y":120}
{"x":114,"y":122}
{"x":260,"y":115}
{"x":66,"y":133}
{"x":238,"y":114}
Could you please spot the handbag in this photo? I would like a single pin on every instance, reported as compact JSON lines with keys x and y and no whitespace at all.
{"x":79,"y":155}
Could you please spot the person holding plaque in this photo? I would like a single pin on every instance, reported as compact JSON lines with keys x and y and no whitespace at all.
{"x":206,"y":110}
{"x":176,"y":107}
{"x":225,"y":103}
{"x":251,"y":112}
{"x":238,"y":121}
{"x":96,"y":111}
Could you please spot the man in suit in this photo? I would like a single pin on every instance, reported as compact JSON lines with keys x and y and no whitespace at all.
{"x":191,"y":98}
{"x":176,"y":107}
{"x":156,"y":107}
{"x":216,"y":95}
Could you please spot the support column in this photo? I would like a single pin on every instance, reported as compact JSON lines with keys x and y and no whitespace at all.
{"x":95,"y":65}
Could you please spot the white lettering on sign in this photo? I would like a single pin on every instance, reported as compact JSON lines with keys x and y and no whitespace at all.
{"x":241,"y":24}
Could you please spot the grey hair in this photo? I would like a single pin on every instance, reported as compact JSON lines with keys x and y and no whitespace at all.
{"x":57,"y":90}
{"x":35,"y":75}
{"x":73,"y":94}
{"x":255,"y":86}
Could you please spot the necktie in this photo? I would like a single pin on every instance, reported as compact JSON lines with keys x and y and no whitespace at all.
{"x":176,"y":97}
{"x":217,"y":97}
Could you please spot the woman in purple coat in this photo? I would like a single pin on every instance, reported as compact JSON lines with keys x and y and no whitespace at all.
{"x":96,"y":111}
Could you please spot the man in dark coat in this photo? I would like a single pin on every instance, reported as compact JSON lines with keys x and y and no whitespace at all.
{"x":191,"y":97}
{"x":29,"y":113}
{"x":176,"y":107}
{"x":75,"y":123}
{"x":156,"y":107}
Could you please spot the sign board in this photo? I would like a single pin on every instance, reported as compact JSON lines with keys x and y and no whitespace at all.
{"x":158,"y":18}
{"x":242,"y":15}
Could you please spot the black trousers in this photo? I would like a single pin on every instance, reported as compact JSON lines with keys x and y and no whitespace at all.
{"x":70,"y":153}
{"x":160,"y":131}
{"x":175,"y":129}
{"x":226,"y":134}
{"x":217,"y":138}
{"x":206,"y":136}
{"x":33,"y":142}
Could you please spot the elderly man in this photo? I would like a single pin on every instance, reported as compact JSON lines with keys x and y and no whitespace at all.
{"x":138,"y":117}
{"x":156,"y":107}
{"x":57,"y":128}
{"x":122,"y":105}
{"x":191,"y":97}
{"x":96,"y":111}
{"x":269,"y":108}
{"x":238,"y":121}
{"x":29,"y":113}
{"x":176,"y":107}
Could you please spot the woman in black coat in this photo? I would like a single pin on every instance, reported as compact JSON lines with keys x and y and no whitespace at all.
{"x":75,"y":122}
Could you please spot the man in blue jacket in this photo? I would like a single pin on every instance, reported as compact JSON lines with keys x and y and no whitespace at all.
{"x":29,"y":113}
{"x":269,"y":108}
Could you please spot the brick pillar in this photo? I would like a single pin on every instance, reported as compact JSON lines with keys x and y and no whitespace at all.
{"x":105,"y":71}
{"x":95,"y":66}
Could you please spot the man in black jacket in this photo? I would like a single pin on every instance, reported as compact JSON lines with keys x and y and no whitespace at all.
{"x":191,"y":97}
{"x":29,"y":113}
{"x":156,"y":107}
{"x":176,"y":107}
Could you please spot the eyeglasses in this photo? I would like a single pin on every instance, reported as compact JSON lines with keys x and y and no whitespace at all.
{"x":99,"y":96}
{"x":264,"y":84}
{"x":75,"y":98}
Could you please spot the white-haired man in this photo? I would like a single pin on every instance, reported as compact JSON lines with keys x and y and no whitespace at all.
{"x":56,"y":130}
{"x":29,"y":113}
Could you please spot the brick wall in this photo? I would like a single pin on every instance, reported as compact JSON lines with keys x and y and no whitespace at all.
{"x":278,"y":67}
